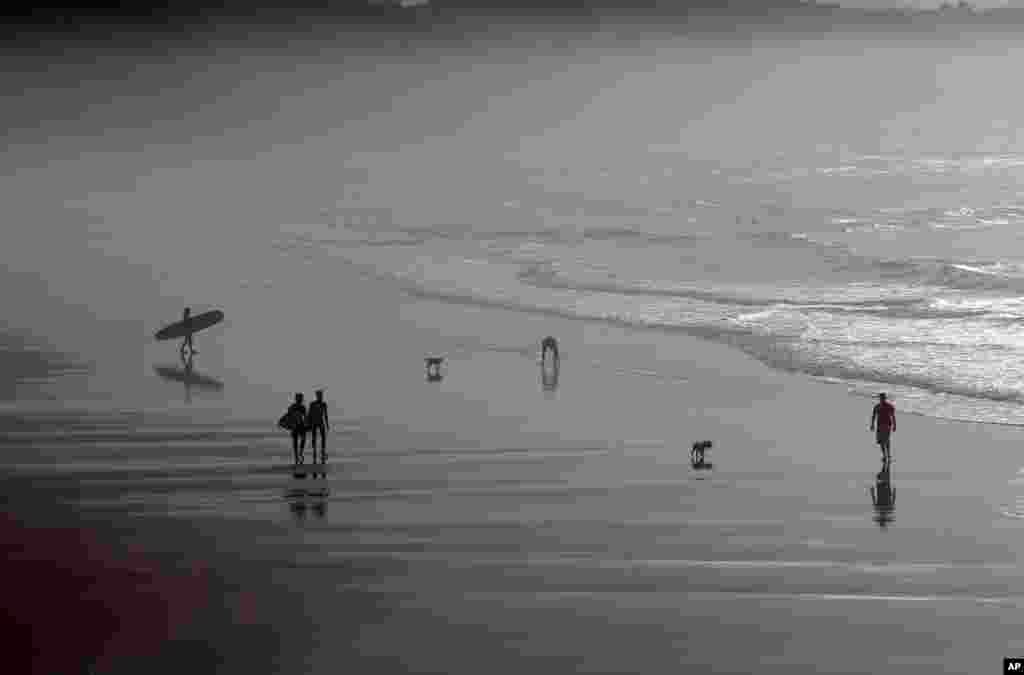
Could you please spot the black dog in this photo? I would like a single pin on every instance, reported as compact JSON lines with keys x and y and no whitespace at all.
{"x":434,"y":366}
{"x":697,"y":452}
{"x":548,"y":343}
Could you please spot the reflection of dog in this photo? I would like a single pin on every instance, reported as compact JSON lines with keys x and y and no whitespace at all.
{"x":548,"y":343}
{"x":434,"y":366}
{"x":698,"y":450}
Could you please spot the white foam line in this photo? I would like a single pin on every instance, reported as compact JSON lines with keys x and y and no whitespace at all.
{"x":698,"y":595}
{"x":889,"y":597}
{"x":868,"y":567}
{"x":877,"y":568}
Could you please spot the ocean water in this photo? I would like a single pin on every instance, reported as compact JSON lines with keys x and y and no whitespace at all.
{"x":908,"y":281}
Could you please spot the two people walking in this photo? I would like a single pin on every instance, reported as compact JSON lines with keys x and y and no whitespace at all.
{"x":300,"y":421}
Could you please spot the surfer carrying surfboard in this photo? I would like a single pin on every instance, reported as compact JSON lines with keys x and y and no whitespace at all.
{"x":187,"y":342}
{"x":188,"y":326}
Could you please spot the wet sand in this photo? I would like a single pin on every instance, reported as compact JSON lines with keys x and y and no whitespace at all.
{"x":484,"y":522}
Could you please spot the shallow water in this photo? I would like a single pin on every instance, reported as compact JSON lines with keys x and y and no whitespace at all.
{"x":920,"y":299}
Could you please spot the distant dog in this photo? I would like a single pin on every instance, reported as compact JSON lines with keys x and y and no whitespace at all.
{"x":434,"y":365}
{"x":548,"y":344}
{"x":697,"y":452}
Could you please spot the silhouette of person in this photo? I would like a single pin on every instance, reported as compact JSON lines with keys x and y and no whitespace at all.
{"x":883,"y":497}
{"x":318,"y":424}
{"x":885,"y":415}
{"x":187,"y":342}
{"x":297,"y":413}
{"x":549,"y":344}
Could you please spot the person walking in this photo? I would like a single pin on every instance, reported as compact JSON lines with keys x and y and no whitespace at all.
{"x":883,"y":423}
{"x":297,"y":422}
{"x":186,"y":344}
{"x":318,"y":424}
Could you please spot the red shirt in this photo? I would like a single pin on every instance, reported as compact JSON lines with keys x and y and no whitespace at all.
{"x":886,"y":415}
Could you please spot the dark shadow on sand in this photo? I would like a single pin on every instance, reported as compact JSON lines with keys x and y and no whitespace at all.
{"x":883,"y":497}
{"x":303,"y":502}
{"x":549,"y":376}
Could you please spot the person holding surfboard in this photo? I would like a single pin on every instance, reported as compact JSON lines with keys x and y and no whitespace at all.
{"x":188,"y":326}
{"x":187,"y":342}
{"x":318,"y":423}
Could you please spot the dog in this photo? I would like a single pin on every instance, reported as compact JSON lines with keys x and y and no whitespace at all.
{"x":434,"y":365}
{"x":548,"y":343}
{"x":697,"y":452}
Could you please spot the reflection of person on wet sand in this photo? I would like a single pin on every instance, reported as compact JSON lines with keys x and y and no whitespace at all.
{"x":883,"y":497}
{"x":301,"y":502}
{"x":188,"y":364}
{"x":298,"y":508}
{"x":320,"y":506}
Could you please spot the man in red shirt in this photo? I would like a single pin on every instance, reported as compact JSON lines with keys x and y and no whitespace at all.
{"x":885,"y":414}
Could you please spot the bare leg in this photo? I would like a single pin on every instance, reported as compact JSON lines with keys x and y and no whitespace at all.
{"x":317,"y":431}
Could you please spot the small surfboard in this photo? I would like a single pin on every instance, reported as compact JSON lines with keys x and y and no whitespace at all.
{"x":194,"y":324}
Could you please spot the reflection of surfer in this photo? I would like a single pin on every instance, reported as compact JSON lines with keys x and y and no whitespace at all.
{"x":883,"y":497}
{"x":189,"y":377}
{"x":186,"y":361}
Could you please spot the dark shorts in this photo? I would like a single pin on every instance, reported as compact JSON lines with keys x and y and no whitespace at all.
{"x":882,"y":436}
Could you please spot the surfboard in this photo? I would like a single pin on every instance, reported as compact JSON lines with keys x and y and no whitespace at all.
{"x":194,"y":324}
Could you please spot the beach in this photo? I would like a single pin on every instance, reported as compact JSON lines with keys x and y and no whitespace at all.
{"x":506,"y":517}
{"x":506,"y":526}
